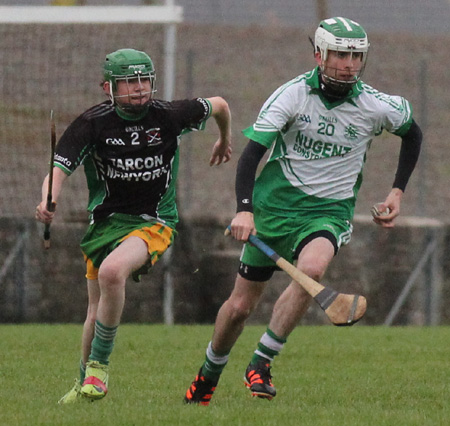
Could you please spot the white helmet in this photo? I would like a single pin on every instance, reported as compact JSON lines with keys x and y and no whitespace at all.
{"x":341,"y":35}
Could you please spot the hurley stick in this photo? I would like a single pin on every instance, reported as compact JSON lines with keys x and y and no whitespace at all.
{"x":50,"y":204}
{"x":341,"y":309}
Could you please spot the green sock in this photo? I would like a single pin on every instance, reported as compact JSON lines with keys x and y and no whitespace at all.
{"x":214,"y":364}
{"x":103,"y":343}
{"x":268,"y":348}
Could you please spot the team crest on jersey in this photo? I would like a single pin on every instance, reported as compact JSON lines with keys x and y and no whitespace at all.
{"x":351,"y":132}
{"x":153,"y":136}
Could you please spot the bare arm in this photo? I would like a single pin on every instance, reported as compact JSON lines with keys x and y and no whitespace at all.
{"x":42,"y":213}
{"x":222,"y":148}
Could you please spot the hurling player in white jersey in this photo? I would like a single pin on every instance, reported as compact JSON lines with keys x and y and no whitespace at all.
{"x":318,"y":128}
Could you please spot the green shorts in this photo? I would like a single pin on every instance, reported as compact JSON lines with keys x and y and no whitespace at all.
{"x":285,"y":234}
{"x":105,"y":235}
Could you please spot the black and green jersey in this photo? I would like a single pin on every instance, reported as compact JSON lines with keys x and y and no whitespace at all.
{"x":130,"y":166}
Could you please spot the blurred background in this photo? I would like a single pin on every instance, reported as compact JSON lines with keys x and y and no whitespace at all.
{"x":241,"y":50}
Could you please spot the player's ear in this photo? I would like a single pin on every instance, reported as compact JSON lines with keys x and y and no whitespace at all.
{"x":106,"y":87}
{"x":318,"y":58}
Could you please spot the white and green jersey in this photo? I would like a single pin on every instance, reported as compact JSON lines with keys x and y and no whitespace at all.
{"x":319,"y":147}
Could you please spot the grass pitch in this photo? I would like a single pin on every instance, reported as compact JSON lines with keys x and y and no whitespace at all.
{"x":324,"y":376}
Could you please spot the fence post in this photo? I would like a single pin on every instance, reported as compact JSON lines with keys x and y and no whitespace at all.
{"x":429,"y":267}
{"x":322,"y":9}
{"x":15,"y":267}
{"x":433,"y":287}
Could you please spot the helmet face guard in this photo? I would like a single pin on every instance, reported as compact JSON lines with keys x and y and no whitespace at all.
{"x":341,"y":35}
{"x":129,"y":66}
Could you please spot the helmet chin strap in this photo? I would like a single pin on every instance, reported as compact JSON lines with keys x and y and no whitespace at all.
{"x":334,"y":90}
{"x":128,"y":111}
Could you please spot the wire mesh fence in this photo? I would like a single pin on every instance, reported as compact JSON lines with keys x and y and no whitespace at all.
{"x":58,"y":67}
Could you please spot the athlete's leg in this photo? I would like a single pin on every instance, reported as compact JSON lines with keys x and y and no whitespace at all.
{"x":131,"y":254}
{"x":294,"y":301}
{"x":74,"y":395}
{"x":228,"y":327}
{"x":89,"y":324}
{"x":112,"y":275}
{"x":287,"y":312}
{"x":234,"y":312}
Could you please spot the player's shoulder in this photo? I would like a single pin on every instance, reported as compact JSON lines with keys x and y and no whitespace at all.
{"x":160,"y":104}
{"x":295,"y":84}
{"x":290,"y":92}
{"x":178,"y":107}
{"x":375,"y":100}
{"x":100,"y":110}
{"x":368,"y":92}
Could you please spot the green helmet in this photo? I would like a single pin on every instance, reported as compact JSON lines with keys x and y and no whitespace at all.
{"x":128,"y":64}
{"x":341,"y":35}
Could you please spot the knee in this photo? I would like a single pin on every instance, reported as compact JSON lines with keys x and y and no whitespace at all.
{"x":314,"y":271}
{"x":239,"y":309}
{"x":110,"y":275}
{"x":315,"y":258}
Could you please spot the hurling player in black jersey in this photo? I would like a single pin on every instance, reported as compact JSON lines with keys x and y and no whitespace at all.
{"x":128,"y":146}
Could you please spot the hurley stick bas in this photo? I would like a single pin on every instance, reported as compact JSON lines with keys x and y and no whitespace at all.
{"x":50,"y":204}
{"x":342,"y":309}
